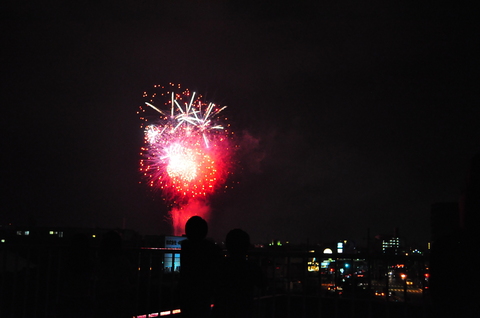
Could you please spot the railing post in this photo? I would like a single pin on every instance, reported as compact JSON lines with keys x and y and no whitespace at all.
{"x":319,"y":288}
{"x":405,"y":301}
{"x":304,"y":285}
{"x":149,"y":280}
{"x":336,"y":285}
{"x":173,"y":278}
{"x":160,"y":279}
{"x":47,"y":284}
{"x":14,"y":291}
{"x":369,"y":281}
{"x":274,"y":286}
{"x":59,"y":278}
{"x":37,"y":287}
{"x":289,"y":281}
{"x":354,"y":288}
{"x":387,"y":288}
{"x":3,"y":270}
{"x":137,"y":294}
{"x":26,"y":283}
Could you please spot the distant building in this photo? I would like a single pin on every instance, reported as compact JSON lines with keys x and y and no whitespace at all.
{"x":390,"y":244}
{"x":171,"y":245}
{"x":346,"y":246}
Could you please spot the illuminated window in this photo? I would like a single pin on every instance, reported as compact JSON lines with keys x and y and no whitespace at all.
{"x":340,"y":247}
{"x":169,"y":259}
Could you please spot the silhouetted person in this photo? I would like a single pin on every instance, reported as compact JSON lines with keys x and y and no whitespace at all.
{"x":198,"y":264}
{"x":237,"y":279}
{"x":113,"y":292}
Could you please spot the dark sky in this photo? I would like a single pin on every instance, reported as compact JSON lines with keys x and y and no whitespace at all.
{"x":350,"y":117}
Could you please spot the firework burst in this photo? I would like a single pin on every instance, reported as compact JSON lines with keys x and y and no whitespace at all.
{"x":187,"y":147}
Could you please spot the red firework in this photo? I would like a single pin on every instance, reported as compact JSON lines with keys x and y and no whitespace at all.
{"x":187,"y":149}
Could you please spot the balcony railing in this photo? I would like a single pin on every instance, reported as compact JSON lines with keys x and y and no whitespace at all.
{"x":57,"y":281}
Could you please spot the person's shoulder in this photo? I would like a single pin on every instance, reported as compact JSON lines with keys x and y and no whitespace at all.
{"x":212,"y":247}
{"x":209,"y":244}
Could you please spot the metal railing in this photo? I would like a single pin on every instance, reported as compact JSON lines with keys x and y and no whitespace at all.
{"x":349,"y":286}
{"x":55,"y":281}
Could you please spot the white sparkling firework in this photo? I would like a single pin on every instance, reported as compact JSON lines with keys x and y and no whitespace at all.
{"x":191,"y":115}
{"x":187,"y":150}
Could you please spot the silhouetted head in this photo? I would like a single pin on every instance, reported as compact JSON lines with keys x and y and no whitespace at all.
{"x":237,"y":242}
{"x":196,"y":228}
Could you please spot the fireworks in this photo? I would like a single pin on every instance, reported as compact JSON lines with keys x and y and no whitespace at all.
{"x":187,"y":148}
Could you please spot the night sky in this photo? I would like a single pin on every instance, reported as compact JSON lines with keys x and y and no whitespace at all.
{"x":349,"y":117}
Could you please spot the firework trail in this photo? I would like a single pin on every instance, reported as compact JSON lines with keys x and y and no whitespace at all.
{"x":187,"y":150}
